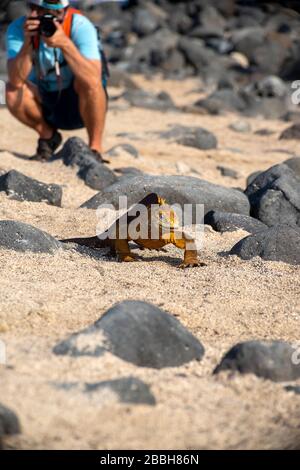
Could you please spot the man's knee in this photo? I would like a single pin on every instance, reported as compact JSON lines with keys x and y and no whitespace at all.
{"x":91,"y":88}
{"x":13,"y":95}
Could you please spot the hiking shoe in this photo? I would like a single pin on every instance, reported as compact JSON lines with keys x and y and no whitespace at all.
{"x":47,"y":147}
{"x":97,"y":155}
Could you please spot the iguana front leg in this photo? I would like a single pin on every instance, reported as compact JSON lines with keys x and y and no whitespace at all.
{"x":186,"y":243}
{"x":123,"y":252}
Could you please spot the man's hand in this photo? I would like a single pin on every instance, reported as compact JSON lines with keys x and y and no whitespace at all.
{"x":31,"y":27}
{"x":59,"y":38}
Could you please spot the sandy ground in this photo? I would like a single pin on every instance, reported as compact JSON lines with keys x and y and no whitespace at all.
{"x":44,"y":298}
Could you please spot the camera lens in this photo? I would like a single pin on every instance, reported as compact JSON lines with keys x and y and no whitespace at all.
{"x":47,"y":26}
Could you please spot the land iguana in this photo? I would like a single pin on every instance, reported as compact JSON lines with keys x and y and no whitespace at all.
{"x":163,"y":217}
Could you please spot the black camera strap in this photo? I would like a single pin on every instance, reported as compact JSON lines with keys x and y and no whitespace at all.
{"x":36,"y":58}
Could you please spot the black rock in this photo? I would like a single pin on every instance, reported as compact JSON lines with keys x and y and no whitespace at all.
{"x":258,"y":47}
{"x":293,"y":388}
{"x":270,"y":360}
{"x":228,"y":172}
{"x":274,"y":196}
{"x":291,"y":133}
{"x":66,"y":386}
{"x":264,"y":132}
{"x":206,"y":33}
{"x":128,"y":172}
{"x":180,"y":22}
{"x":247,"y":40}
{"x":120,"y":78}
{"x":222,"y":100}
{"x":161,"y":43}
{"x":144,"y":22}
{"x":136,"y":332}
{"x":278,"y":243}
{"x":240,"y":126}
{"x":95,"y":174}
{"x":225,"y":222}
{"x":23,"y":237}
{"x":294,"y":164}
{"x":212,"y":18}
{"x":118,"y":149}
{"x":219,"y":45}
{"x":21,"y":187}
{"x":114,"y":53}
{"x":292,"y":116}
{"x":225,"y":7}
{"x":144,"y":99}
{"x":196,"y":137}
{"x":9,"y":422}
{"x":291,"y":67}
{"x":252,"y":177}
{"x":172,"y":64}
{"x":175,"y":190}
{"x":196,"y":53}
{"x":246,"y":101}
{"x":270,"y":86}
{"x":270,"y":107}
{"x":129,"y":390}
{"x":115,"y":39}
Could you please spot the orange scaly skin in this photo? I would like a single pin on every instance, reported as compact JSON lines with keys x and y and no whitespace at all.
{"x":120,"y":247}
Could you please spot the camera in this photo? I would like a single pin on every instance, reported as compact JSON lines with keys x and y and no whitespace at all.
{"x":47,"y":27}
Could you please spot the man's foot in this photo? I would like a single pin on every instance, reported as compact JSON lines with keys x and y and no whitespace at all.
{"x":98,"y":156}
{"x":47,"y":147}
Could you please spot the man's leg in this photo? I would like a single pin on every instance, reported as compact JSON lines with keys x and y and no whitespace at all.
{"x":92,"y":106}
{"x":23,"y":103}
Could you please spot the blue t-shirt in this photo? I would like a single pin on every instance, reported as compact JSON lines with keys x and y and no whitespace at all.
{"x":83,"y":35}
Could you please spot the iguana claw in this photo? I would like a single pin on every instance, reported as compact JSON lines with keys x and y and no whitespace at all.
{"x":191,"y":264}
{"x":188,"y":265}
{"x":126,"y":258}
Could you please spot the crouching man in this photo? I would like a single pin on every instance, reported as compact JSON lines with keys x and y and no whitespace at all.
{"x":56,"y":75}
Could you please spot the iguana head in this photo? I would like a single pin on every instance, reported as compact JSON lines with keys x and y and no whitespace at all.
{"x":166,"y":215}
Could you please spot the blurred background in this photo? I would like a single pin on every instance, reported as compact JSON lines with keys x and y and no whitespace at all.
{"x":246,"y":53}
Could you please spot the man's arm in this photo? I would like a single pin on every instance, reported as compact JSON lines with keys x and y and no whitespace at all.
{"x":20,"y":66}
{"x":87,"y":71}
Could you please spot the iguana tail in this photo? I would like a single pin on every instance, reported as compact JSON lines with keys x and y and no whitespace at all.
{"x":91,"y":242}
